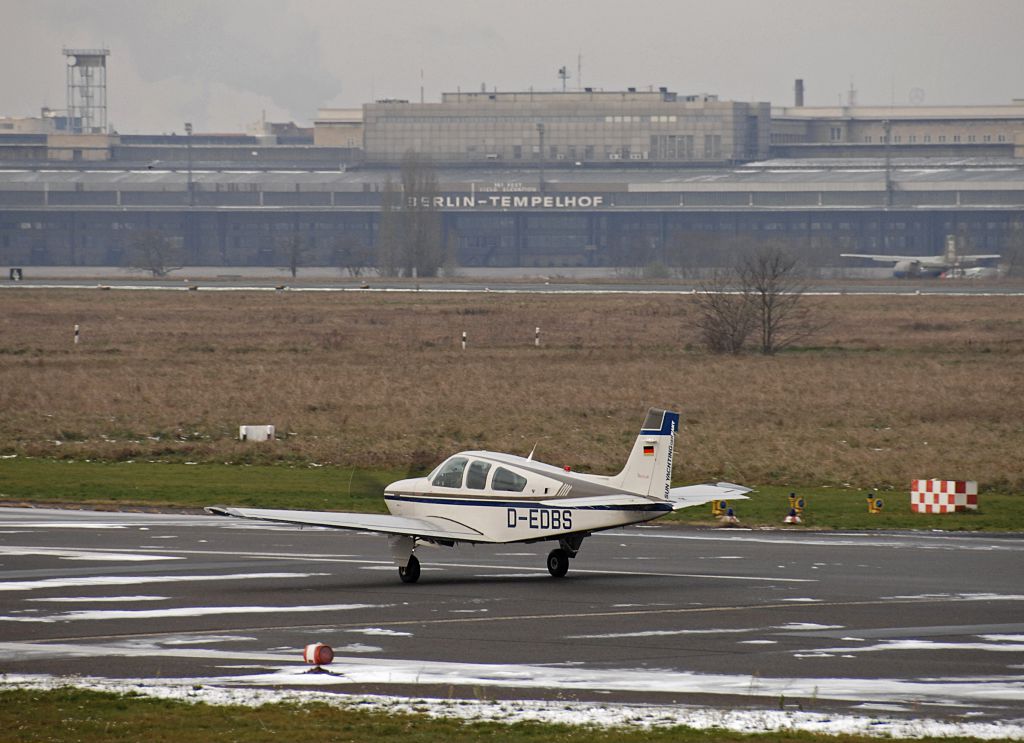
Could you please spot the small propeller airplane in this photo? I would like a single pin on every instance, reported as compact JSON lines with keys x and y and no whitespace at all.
{"x":482,"y":497}
{"x":950,"y":264}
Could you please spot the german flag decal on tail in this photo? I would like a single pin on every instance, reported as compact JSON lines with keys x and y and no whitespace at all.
{"x":648,"y":450}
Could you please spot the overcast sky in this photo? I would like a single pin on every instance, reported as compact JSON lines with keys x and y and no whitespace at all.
{"x":221,"y":63}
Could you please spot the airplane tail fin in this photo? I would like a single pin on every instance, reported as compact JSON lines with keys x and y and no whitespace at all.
{"x":648,"y":470}
{"x":950,"y":252}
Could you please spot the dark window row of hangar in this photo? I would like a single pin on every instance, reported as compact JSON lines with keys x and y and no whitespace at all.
{"x":507,"y":217}
{"x":623,"y":238}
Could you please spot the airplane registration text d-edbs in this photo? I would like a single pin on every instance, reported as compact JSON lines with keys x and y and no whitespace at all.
{"x":483,"y":497}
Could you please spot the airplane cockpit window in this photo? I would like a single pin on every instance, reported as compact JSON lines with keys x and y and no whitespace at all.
{"x":506,"y":480}
{"x":477,"y":476}
{"x":450,"y":474}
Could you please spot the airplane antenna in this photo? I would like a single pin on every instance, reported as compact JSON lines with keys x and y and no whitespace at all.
{"x":533,"y":450}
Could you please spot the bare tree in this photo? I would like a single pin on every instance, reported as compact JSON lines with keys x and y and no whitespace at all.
{"x":153,"y":251}
{"x":769,"y":277}
{"x":762,"y":296}
{"x":352,"y":254}
{"x":1013,"y":250}
{"x":389,"y":239}
{"x":726,"y":314}
{"x":295,"y":250}
{"x":424,"y":251}
{"x":410,"y":241}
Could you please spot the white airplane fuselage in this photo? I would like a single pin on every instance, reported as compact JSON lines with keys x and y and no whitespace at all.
{"x":551,"y":503}
{"x":479,"y":497}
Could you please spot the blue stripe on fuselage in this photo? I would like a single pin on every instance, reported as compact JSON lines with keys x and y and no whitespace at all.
{"x":527,"y":504}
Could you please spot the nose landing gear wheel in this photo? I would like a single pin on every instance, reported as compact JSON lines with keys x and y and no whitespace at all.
{"x":411,"y":572}
{"x":558,"y":563}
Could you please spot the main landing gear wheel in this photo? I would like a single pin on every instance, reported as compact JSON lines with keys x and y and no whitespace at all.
{"x":411,"y":572}
{"x":558,"y":563}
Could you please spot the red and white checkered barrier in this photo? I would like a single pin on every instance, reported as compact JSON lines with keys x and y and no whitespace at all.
{"x":943,"y":496}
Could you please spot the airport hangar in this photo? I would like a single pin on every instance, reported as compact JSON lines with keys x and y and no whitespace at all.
{"x":570,"y":216}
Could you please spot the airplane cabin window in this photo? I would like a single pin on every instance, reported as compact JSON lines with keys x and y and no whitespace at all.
{"x":450,"y":475}
{"x":477,"y":477}
{"x":505,"y":480}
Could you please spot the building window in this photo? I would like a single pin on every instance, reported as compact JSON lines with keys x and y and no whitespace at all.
{"x":956,"y":137}
{"x":835,"y":133}
{"x":867,"y":139}
{"x":970,"y":137}
{"x":1002,"y":138}
{"x":912,"y":138}
{"x":942,"y":137}
{"x":927,"y":138}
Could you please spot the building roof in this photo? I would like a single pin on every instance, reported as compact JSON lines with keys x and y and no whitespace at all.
{"x":771,"y":175}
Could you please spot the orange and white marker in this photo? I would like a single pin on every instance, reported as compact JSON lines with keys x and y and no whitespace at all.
{"x":318,"y":654}
{"x":943,"y":496}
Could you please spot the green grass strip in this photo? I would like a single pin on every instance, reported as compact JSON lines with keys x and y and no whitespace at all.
{"x":87,"y":717}
{"x":176,"y":485}
{"x":159,"y":484}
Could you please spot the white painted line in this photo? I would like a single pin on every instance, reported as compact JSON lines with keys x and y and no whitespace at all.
{"x":661,"y":633}
{"x":380,"y":631}
{"x":99,"y":599}
{"x":187,"y":611}
{"x":90,"y":555}
{"x":131,"y":580}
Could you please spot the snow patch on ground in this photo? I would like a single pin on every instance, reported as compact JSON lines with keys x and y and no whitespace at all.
{"x":185,"y":611}
{"x":98,"y":599}
{"x":659,"y":633}
{"x":87,"y":555}
{"x":380,"y":631}
{"x":560,"y":712}
{"x":131,"y":580}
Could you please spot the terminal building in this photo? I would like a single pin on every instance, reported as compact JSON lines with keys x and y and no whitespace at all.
{"x":682,"y":217}
{"x":584,"y":127}
{"x":533,"y":179}
{"x":907,"y":131}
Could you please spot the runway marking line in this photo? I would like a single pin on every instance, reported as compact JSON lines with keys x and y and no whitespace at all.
{"x":477,"y":566}
{"x":513,"y":618}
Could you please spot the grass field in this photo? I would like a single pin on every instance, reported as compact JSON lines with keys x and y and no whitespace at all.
{"x":161,"y":484}
{"x":84,"y":717}
{"x":895,"y":387}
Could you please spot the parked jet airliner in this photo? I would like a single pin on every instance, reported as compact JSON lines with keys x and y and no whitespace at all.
{"x":482,"y":497}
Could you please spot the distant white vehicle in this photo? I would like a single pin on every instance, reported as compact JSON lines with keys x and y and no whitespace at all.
{"x":482,"y":497}
{"x":975,"y":272}
{"x":931,"y":266}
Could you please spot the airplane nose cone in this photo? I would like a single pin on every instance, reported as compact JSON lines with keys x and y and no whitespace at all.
{"x":415,"y":484}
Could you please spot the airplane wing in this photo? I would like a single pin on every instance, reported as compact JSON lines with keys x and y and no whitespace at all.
{"x":428,"y":528}
{"x":888,"y":258}
{"x":695,"y":495}
{"x":979,"y":257}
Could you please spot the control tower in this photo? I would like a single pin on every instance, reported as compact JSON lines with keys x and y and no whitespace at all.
{"x":87,"y":90}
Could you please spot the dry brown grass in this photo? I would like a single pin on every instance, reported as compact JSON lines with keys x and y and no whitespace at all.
{"x":896,"y":387}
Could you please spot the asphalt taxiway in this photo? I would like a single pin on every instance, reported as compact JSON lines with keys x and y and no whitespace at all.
{"x":908,"y":623}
